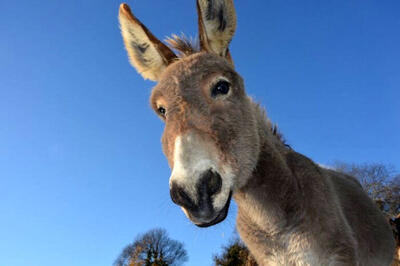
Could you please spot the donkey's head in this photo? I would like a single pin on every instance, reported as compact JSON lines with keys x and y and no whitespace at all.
{"x":210,"y":138}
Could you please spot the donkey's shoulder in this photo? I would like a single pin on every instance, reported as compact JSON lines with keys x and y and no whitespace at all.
{"x":302,"y":166}
{"x":299,"y":163}
{"x":340,"y":177}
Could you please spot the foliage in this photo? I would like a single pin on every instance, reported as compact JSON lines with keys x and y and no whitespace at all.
{"x":380,"y":182}
{"x":154,"y":248}
{"x":236,"y":253}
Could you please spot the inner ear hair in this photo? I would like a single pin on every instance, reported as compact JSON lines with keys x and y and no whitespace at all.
{"x":147,"y":54}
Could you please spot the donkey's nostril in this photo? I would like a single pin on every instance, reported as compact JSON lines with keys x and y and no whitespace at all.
{"x":213,"y":182}
{"x":179,"y":196}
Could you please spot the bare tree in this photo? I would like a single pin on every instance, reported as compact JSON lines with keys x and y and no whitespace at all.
{"x":379,"y":181}
{"x":392,"y":194}
{"x":154,"y":248}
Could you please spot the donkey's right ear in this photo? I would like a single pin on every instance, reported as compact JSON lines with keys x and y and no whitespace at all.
{"x":146,"y":53}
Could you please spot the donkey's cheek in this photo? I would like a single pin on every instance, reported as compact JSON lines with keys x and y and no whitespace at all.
{"x":223,"y":132}
{"x":167,"y":149}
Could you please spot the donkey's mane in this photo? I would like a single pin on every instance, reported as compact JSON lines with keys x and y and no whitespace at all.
{"x":267,"y":124}
{"x":183,"y":45}
{"x":279,"y":135}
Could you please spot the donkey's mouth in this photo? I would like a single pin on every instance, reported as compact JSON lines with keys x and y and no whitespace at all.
{"x":221,"y":215}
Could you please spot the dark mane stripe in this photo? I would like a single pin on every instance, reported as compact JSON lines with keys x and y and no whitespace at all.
{"x":183,"y":45}
{"x":279,"y":135}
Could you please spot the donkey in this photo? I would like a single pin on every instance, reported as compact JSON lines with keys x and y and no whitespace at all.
{"x":220,"y":144}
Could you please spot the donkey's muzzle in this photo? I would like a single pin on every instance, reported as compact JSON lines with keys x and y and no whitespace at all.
{"x":180,"y":197}
{"x":208,"y":185}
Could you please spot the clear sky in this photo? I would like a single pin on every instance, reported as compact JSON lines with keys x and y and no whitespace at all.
{"x":81,"y":167}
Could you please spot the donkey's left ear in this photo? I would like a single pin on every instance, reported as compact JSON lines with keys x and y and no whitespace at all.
{"x":217,"y":25}
{"x":146,"y":53}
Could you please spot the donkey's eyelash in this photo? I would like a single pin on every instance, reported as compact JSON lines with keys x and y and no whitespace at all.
{"x":219,"y":79}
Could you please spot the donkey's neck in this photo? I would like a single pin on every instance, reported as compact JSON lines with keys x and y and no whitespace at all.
{"x":268,"y":199}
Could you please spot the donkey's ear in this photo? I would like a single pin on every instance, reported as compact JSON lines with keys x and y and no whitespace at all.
{"x":146,"y":53}
{"x":217,"y":24}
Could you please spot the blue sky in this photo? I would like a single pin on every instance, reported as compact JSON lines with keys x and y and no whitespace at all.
{"x":81,"y":167}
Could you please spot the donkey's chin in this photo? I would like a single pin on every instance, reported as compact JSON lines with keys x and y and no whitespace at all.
{"x":216,"y":218}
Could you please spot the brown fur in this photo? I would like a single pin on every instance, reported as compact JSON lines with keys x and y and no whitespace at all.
{"x":183,"y":45}
{"x":290,"y":210}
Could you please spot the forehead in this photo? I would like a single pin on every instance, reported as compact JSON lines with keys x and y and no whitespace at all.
{"x":191,"y":72}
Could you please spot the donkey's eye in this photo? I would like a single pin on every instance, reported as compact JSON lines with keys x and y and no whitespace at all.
{"x":221,"y":88}
{"x":161,"y":110}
